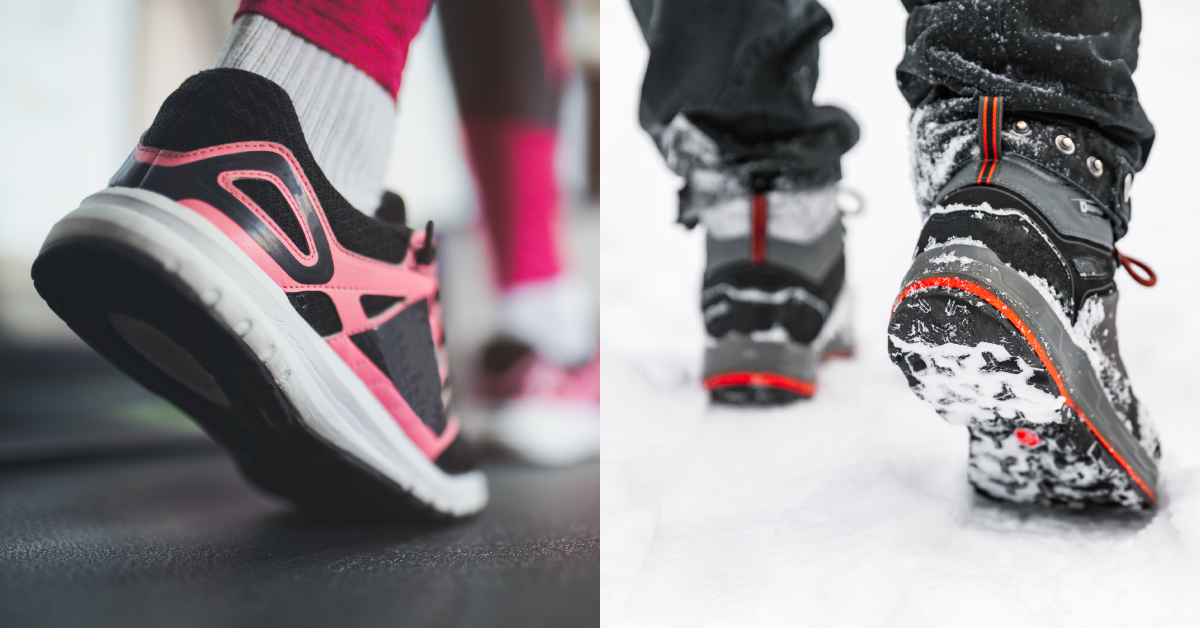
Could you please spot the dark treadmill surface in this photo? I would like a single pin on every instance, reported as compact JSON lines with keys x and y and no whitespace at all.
{"x":115,"y":512}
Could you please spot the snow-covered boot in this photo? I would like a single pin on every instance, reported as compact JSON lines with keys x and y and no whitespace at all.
{"x":1005,"y":324}
{"x":774,"y":300}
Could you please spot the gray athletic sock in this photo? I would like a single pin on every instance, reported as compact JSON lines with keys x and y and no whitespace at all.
{"x":346,"y":116}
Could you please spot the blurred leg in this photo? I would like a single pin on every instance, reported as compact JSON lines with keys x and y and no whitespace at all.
{"x":541,"y":375}
{"x":509,"y":69}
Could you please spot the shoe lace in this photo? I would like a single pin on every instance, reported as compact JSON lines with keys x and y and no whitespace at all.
{"x":428,"y":251}
{"x":1148,"y":279}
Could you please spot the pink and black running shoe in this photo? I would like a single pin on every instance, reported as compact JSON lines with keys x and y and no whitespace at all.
{"x":224,"y":272}
{"x":539,"y":411}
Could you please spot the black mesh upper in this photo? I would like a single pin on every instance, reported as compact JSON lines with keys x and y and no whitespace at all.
{"x":391,"y":209}
{"x":375,"y":304}
{"x":370,"y":348}
{"x":224,"y":106}
{"x":318,"y":309}
{"x":271,"y":200}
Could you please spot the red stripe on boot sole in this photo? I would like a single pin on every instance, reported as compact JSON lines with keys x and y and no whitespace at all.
{"x":766,"y":380}
{"x":994,"y":301}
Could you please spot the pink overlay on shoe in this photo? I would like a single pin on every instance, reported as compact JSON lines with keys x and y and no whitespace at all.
{"x":371,"y":35}
{"x":353,"y":276}
{"x":533,"y":377}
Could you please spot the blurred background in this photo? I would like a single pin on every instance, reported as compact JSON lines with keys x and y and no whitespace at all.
{"x":97,"y":476}
{"x":88,"y":76}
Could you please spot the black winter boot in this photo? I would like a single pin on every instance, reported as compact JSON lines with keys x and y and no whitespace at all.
{"x":1005,"y":323}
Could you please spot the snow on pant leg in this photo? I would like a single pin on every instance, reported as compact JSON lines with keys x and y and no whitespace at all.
{"x":1064,"y":66}
{"x":728,"y":89}
{"x":509,"y":68}
{"x":743,"y":72}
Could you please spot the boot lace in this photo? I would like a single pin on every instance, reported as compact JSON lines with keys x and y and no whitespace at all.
{"x":1147,"y":278}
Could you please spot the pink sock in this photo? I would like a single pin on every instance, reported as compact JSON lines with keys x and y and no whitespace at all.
{"x":507,"y":62}
{"x":371,"y":35}
{"x":514,"y":165}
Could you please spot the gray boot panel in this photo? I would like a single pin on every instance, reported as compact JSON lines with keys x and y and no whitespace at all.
{"x":1068,"y":208}
{"x":813,"y":261}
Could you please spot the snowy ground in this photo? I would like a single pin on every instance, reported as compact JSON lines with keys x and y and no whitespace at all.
{"x":853,"y":509}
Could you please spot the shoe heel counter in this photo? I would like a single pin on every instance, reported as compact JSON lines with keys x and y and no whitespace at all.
{"x":225,"y":106}
{"x":131,"y":174}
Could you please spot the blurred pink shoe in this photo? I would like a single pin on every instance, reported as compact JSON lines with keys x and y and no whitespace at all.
{"x":543,"y":413}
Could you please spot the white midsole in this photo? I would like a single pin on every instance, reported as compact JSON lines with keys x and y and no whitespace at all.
{"x":331,"y":400}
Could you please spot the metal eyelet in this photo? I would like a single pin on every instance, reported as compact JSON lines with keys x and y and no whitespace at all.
{"x":1065,"y":145}
{"x":1128,"y":187}
{"x":1095,"y":166}
{"x":1021,"y":127}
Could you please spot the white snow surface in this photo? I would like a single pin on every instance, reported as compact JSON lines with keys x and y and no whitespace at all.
{"x":854,"y":509}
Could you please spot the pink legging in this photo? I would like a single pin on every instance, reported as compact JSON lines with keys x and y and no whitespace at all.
{"x":508,"y":70}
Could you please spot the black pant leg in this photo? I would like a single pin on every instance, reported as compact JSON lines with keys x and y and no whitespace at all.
{"x":743,"y":73}
{"x":1065,"y":65}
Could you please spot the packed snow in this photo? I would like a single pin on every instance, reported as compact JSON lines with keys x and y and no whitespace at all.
{"x":854,"y":509}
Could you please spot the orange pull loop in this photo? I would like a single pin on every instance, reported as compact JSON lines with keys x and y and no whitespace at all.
{"x":1147,"y":279}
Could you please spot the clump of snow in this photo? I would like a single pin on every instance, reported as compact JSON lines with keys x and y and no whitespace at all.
{"x":1007,"y":469}
{"x":995,"y":463}
{"x":951,"y":258}
{"x":963,"y":388}
{"x":938,"y":148}
{"x":687,"y":148}
{"x":1048,"y":293}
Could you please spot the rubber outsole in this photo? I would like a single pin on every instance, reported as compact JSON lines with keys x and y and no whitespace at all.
{"x":741,"y":371}
{"x":251,"y":417}
{"x":315,"y":433}
{"x":967,"y":353}
{"x":757,"y":389}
